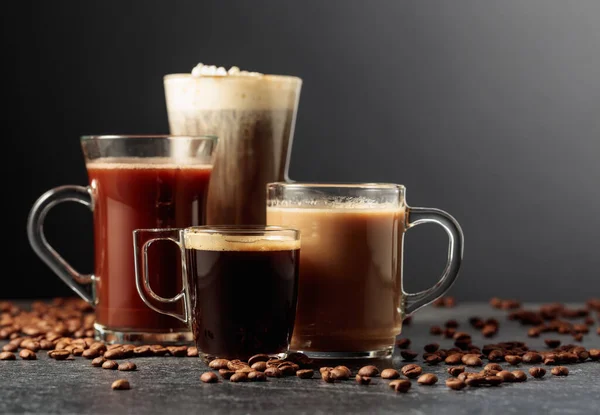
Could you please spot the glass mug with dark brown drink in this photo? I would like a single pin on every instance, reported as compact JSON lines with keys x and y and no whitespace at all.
{"x":240,"y":286}
{"x":351,"y":303}
{"x":134,"y":182}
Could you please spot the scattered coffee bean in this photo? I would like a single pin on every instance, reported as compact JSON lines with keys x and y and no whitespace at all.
{"x":10,"y":347}
{"x":400,"y":385}
{"x":412,"y":371}
{"x":115,"y":353}
{"x":506,"y":376}
{"x":537,"y":372}
{"x":472,"y":360}
{"x":553,"y":343}
{"x":578,"y":337}
{"x":534,"y":332}
{"x":475,"y":380}
{"x":159,"y":351}
{"x":27,"y":354}
{"x":408,"y":355}
{"x":326,"y":376}
{"x":493,"y":380}
{"x":59,"y":354}
{"x":7,"y":356}
{"x":226,"y":373}
{"x":192,"y":351}
{"x":97,"y":362}
{"x":432,"y":347}
{"x":455,"y":384}
{"x":121,"y":384}
{"x":403,"y":343}
{"x":532,"y":357}
{"x":177,"y":351}
{"x":338,"y":374}
{"x":256,"y":376}
{"x":435,"y":330}
{"x":520,"y":376}
{"x":325,"y":369}
{"x":462,"y":336}
{"x":258,"y":358}
{"x":142,"y":351}
{"x":493,"y":366}
{"x":454,"y":359}
{"x":449,"y":332}
{"x":513,"y":360}
{"x":273,"y":372}
{"x":209,"y":377}
{"x":368,"y":371}
{"x":305,"y":373}
{"x":363,"y":380}
{"x":496,"y":355}
{"x":427,"y":379}
{"x":238,"y":377}
{"x":433,"y":359}
{"x":218,"y":364}
{"x":127,"y":366}
{"x":110,"y":364}
{"x":451,"y":324}
{"x":390,"y":374}
{"x":237,"y":365}
{"x":594,"y":354}
{"x":90,"y":353}
{"x":259,"y":366}
{"x":347,"y":371}
{"x":560,"y":371}
{"x":456,"y":370}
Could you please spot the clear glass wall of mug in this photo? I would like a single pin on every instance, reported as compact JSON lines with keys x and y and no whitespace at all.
{"x":134,"y":182}
{"x":351,"y":303}
{"x":254,"y":117}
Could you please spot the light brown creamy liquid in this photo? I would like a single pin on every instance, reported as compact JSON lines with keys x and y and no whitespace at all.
{"x":349,"y":292}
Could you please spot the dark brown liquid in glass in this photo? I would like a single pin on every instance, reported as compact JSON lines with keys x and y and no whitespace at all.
{"x":243,"y":302}
{"x":134,"y":194}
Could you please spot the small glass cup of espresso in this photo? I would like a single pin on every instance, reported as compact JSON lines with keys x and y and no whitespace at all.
{"x":240,"y":286}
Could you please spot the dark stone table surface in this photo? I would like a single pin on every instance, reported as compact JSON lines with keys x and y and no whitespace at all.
{"x":171,"y":385}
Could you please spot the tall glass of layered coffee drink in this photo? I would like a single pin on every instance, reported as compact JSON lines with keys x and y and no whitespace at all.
{"x":253,"y":115}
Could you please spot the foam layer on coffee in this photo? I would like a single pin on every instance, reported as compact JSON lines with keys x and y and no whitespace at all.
{"x":148,"y":163}
{"x":343,"y":204}
{"x":222,"y":242}
{"x":219,"y":89}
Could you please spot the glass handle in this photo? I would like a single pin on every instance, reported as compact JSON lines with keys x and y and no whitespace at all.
{"x":417,"y":216}
{"x":35,"y":232}
{"x":142,"y":239}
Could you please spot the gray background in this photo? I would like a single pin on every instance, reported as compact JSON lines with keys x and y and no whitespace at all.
{"x":487,"y":109}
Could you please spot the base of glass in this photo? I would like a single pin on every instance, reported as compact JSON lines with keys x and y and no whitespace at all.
{"x":207,"y":357}
{"x":110,"y":336}
{"x":372,"y":354}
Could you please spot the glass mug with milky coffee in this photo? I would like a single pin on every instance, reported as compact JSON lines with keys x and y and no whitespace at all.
{"x":241,"y":285}
{"x":351,"y":303}
{"x":134,"y":182}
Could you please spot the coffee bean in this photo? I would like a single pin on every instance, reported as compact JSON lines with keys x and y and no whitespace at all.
{"x":46,"y":344}
{"x":560,"y":371}
{"x":115,"y":353}
{"x":218,"y":364}
{"x":513,"y":360}
{"x":493,"y":366}
{"x":305,"y":373}
{"x":246,"y":370}
{"x":553,"y":343}
{"x":451,"y":324}
{"x":7,"y":356}
{"x":412,"y":371}
{"x":493,"y":380}
{"x":326,"y":376}
{"x":121,"y":384}
{"x":456,"y":370}
{"x":390,"y":374}
{"x":537,"y":372}
{"x":400,"y":385}
{"x":368,"y":371}
{"x":594,"y":354}
{"x":274,"y":362}
{"x":534,"y":332}
{"x":408,"y":355}
{"x":259,"y":366}
{"x":90,"y":353}
{"x":209,"y":377}
{"x":59,"y":354}
{"x":454,"y":359}
{"x":237,"y":364}
{"x":449,"y":332}
{"x":10,"y":347}
{"x":578,"y":337}
{"x":427,"y":379}
{"x":192,"y":351}
{"x":288,"y":368}
{"x":142,"y":351}
{"x":238,"y":377}
{"x":110,"y":364}
{"x":462,"y":336}
{"x":455,"y":384}
{"x":177,"y":351}
{"x":301,"y":360}
{"x":433,"y":359}
{"x":27,"y":354}
{"x":471,"y":360}
{"x":258,"y":358}
{"x":435,"y":330}
{"x":520,"y":376}
{"x":363,"y":380}
{"x":496,"y":355}
{"x":256,"y":376}
{"x":475,"y":380}
{"x":549,"y":361}
{"x":127,"y":366}
{"x":325,"y":369}
{"x":273,"y":372}
{"x":97,"y":362}
{"x":347,"y":371}
{"x":159,"y":350}
{"x":403,"y":343}
{"x":489,"y":330}
{"x":532,"y":357}
{"x":506,"y":376}
{"x":339,"y":374}
{"x":432,"y":347}
{"x":226,"y":373}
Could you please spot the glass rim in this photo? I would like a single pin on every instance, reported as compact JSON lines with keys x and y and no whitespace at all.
{"x":206,"y":137}
{"x":341,"y":185}
{"x":252,"y":230}
{"x":267,"y":77}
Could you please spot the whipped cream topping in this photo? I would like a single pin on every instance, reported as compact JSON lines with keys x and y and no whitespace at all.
{"x":211,"y":70}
